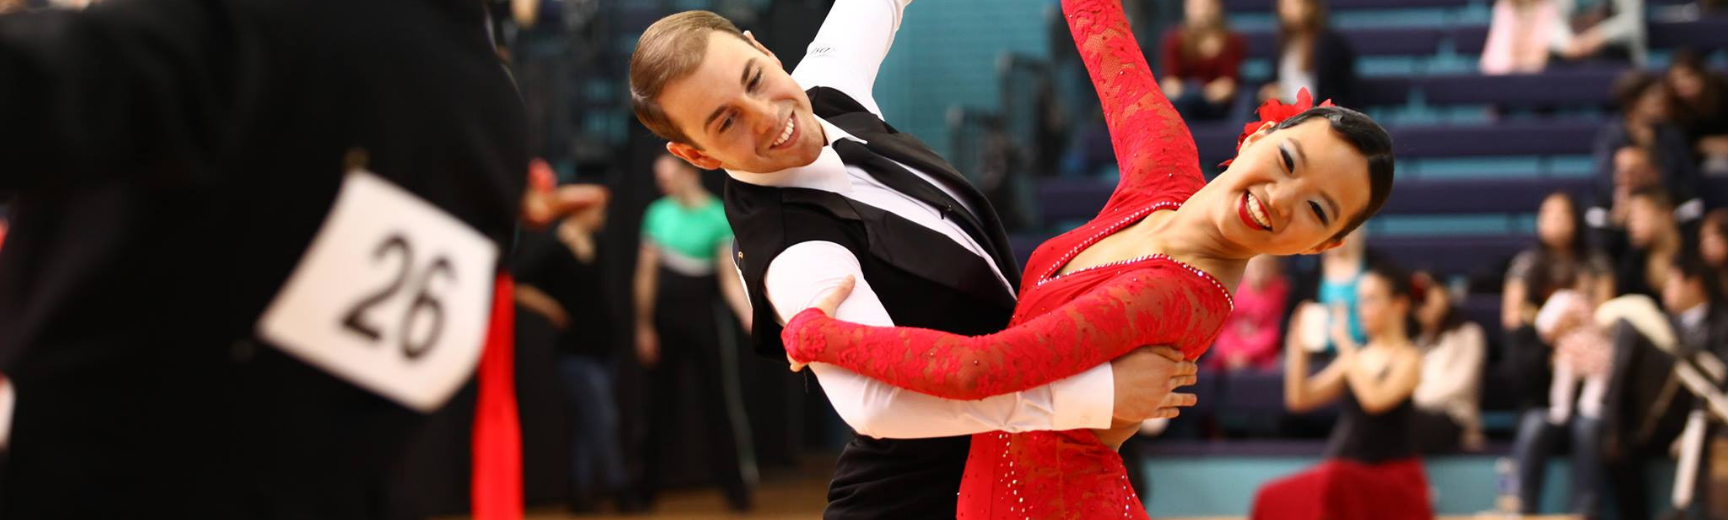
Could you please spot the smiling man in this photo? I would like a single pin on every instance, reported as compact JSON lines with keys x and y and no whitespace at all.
{"x":821,"y":188}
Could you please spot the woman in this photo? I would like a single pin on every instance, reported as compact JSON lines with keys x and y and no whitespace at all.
{"x":1155,"y":267}
{"x":1310,"y":55}
{"x":1712,"y":244}
{"x":1647,"y":126}
{"x":1518,"y":36}
{"x":1371,"y":470}
{"x":1600,"y":30}
{"x":1250,"y":337}
{"x":683,"y":274}
{"x":1534,"y":275}
{"x":1203,"y":62}
{"x":1702,"y":96}
{"x":1448,"y":401}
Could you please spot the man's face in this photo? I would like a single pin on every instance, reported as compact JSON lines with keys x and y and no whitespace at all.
{"x":742,"y":111}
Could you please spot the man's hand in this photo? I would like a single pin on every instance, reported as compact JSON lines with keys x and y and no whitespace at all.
{"x":1145,"y":384}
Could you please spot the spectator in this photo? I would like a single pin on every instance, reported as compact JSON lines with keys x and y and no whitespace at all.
{"x":1202,"y":61}
{"x":1533,"y":276}
{"x":1702,"y":97}
{"x":1605,"y":30}
{"x":1250,"y":337}
{"x":1652,"y":241}
{"x":1518,"y":36}
{"x":1331,"y":285}
{"x":1448,"y":409}
{"x":1311,"y":55}
{"x":1566,"y":319}
{"x":560,"y":278}
{"x":1713,"y":244}
{"x":683,"y":274}
{"x":1371,"y":469}
{"x":1663,"y":158}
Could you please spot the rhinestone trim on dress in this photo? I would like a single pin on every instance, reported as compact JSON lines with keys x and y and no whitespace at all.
{"x":1050,"y":275}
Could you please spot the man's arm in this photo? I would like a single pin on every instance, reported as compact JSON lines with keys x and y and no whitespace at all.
{"x":804,"y":272}
{"x":849,"y":48}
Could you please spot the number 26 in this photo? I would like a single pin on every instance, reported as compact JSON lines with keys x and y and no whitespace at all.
{"x":424,"y":302}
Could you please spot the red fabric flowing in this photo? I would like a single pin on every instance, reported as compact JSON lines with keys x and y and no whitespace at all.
{"x":497,"y":484}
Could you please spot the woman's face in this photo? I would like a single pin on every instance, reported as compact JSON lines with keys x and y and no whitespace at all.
{"x":672,"y":175}
{"x":1653,"y":104}
{"x":1289,"y":191}
{"x":1687,"y":83}
{"x":1713,"y":245}
{"x":1377,"y":307}
{"x":1203,"y":12}
{"x":1293,"y":12}
{"x":1554,"y":224}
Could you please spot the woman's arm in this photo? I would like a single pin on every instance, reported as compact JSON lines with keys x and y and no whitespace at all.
{"x":646,"y":283}
{"x":1138,"y":308}
{"x":1152,"y":144}
{"x":1380,"y":389}
{"x":1303,"y":393}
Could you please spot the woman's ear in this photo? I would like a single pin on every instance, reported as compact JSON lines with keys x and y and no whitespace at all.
{"x":1265,"y":128}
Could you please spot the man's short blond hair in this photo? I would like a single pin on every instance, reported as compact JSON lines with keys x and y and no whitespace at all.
{"x":670,"y":49}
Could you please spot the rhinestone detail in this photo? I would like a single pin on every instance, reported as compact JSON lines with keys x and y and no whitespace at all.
{"x":1050,"y":275}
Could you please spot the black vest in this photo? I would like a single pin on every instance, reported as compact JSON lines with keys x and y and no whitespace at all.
{"x":923,"y":279}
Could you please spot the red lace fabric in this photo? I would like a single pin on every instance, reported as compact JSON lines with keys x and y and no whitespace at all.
{"x":1065,"y":324}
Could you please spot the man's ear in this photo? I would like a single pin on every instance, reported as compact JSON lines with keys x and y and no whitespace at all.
{"x":693,"y":155}
{"x":758,"y":45}
{"x":1265,"y":128}
{"x":1324,"y":247}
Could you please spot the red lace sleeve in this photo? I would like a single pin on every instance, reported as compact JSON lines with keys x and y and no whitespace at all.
{"x":1137,"y":308}
{"x":1154,"y":150}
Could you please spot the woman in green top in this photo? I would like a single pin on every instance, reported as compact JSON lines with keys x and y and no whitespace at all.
{"x":683,"y":274}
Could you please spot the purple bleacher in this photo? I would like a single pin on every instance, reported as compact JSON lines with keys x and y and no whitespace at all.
{"x":1567,"y":86}
{"x":1566,"y":136}
{"x":1707,"y":33}
{"x":1253,"y":6}
{"x":1495,"y":194}
{"x":1366,"y":41}
{"x":1445,"y":255}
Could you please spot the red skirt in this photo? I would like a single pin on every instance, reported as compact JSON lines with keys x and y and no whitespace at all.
{"x":1340,"y":489}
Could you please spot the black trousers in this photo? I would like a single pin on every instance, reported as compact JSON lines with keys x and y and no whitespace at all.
{"x":697,"y":371}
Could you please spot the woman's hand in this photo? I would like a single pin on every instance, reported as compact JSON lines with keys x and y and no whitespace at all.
{"x":829,"y":304}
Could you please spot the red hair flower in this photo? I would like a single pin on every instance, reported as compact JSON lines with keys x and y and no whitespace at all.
{"x":1275,"y":111}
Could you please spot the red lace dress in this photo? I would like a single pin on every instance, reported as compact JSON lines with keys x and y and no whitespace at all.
{"x":1064,"y":324}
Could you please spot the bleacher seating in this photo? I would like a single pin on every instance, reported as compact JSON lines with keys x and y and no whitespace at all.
{"x":1217,"y":142}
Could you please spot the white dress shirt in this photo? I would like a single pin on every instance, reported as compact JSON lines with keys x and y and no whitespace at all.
{"x":846,"y":54}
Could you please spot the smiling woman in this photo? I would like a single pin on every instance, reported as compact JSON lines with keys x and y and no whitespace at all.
{"x":1155,"y":267}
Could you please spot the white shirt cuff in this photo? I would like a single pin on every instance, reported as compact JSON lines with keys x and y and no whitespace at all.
{"x":1084,"y":401}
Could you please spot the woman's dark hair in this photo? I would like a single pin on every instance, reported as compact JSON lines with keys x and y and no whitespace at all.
{"x":1421,"y":284}
{"x":1579,"y":246}
{"x":1315,"y":23}
{"x":1192,"y":35}
{"x":1369,"y":139}
{"x":1710,"y":100}
{"x":1691,"y":267}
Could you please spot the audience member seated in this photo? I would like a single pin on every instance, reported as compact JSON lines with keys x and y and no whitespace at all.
{"x":1310,"y":55}
{"x":1371,"y":469}
{"x":1448,"y":400}
{"x":1534,"y":275}
{"x":1202,"y":60}
{"x":1331,"y":284}
{"x":1518,"y":36}
{"x":1661,"y":155}
{"x":1250,"y":336}
{"x":1702,"y":98}
{"x":1649,"y":245}
{"x":1713,"y":244}
{"x":1610,"y":30}
{"x":1582,"y":349}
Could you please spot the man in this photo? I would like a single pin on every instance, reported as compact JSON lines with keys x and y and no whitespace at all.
{"x":1695,"y":306}
{"x":821,"y":188}
{"x":254,"y":246}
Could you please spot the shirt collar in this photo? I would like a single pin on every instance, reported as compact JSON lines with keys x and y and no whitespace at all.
{"x":827,"y":173}
{"x":1695,"y":315}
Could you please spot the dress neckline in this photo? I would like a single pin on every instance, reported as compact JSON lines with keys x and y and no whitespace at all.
{"x":1051,"y":275}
